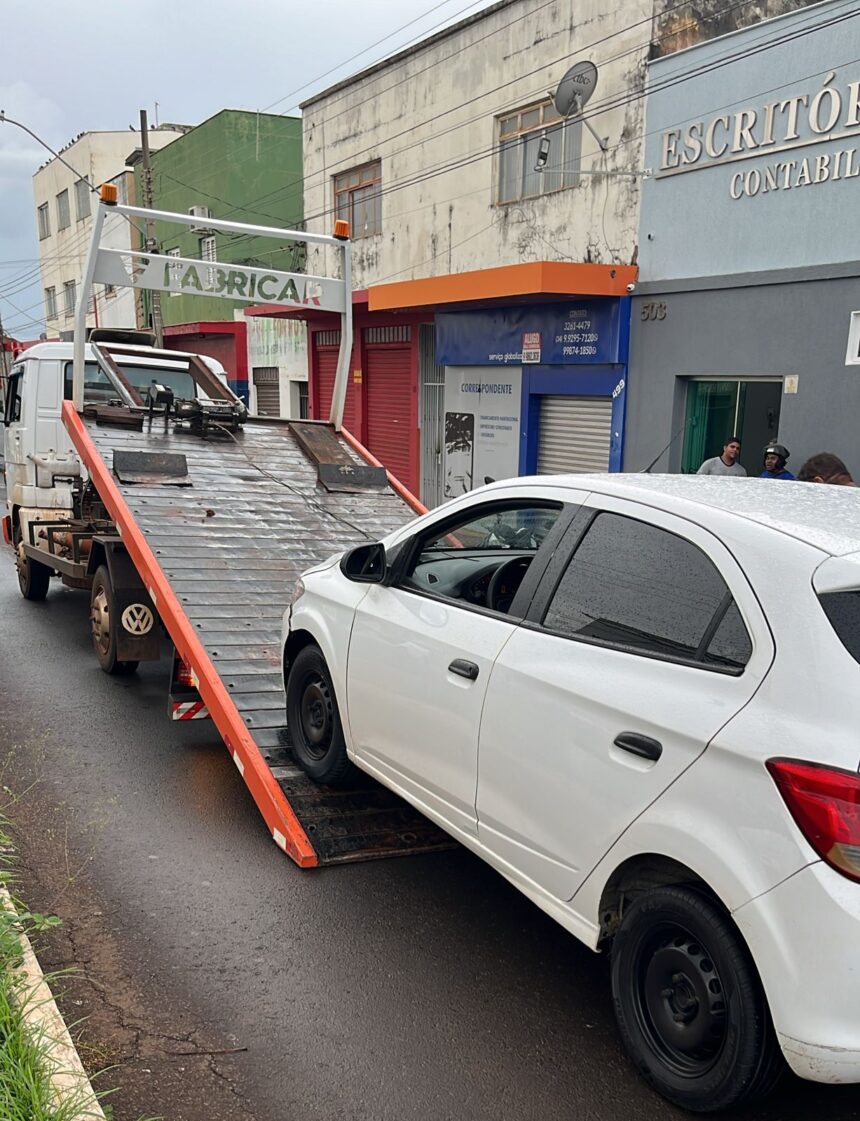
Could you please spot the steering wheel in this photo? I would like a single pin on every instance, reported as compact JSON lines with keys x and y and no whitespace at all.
{"x":500,"y":598}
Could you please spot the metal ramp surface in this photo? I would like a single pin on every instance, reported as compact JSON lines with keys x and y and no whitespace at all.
{"x":220,"y":559}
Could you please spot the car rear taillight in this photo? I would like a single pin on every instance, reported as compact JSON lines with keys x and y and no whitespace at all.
{"x":825,"y":803}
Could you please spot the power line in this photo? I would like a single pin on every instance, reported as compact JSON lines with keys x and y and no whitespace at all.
{"x":378,"y":43}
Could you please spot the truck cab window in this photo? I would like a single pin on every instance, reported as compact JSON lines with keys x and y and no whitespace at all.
{"x":12,"y":410}
{"x":97,"y":385}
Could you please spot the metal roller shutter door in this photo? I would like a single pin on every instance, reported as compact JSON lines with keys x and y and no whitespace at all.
{"x":390,"y":435}
{"x":575,"y":434}
{"x":268,"y":390}
{"x":326,"y":369}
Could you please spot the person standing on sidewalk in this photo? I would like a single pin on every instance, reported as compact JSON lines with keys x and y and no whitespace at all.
{"x":775,"y":456}
{"x":725,"y":464}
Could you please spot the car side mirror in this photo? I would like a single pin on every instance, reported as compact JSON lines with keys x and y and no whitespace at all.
{"x":365,"y":564}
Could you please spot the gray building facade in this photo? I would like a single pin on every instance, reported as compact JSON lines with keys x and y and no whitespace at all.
{"x":746,"y":317}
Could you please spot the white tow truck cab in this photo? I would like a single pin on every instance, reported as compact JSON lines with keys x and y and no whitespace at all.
{"x":54,"y":519}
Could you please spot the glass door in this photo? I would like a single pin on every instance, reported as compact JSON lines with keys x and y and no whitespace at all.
{"x":718,"y":410}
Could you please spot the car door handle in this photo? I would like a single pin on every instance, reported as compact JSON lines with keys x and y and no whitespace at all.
{"x":640,"y":745}
{"x":464,"y":669}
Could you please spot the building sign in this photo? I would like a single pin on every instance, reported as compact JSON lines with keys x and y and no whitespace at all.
{"x":779,"y":129}
{"x":482,"y":426}
{"x":209,"y":278}
{"x":531,"y":346}
{"x":578,"y":331}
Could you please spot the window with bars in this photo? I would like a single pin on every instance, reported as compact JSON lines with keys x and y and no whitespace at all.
{"x":70,"y":291}
{"x":82,"y":199}
{"x":44,"y":221}
{"x":64,"y":216}
{"x":304,"y":409}
{"x":110,"y":291}
{"x":358,"y":199}
{"x":176,"y":270}
{"x":520,"y":136}
{"x":207,"y":253}
{"x":51,"y":303}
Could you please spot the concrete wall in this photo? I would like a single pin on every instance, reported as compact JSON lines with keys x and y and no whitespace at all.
{"x":431,"y":116}
{"x":774,"y":330}
{"x":245,"y":166}
{"x":784,"y":120}
{"x":282,"y":343}
{"x":676,"y":28}
{"x":99,"y":157}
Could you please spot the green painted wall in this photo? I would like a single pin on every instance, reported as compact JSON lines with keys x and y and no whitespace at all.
{"x":242,"y":165}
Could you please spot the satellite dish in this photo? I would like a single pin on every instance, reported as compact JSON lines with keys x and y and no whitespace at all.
{"x":575,"y":88}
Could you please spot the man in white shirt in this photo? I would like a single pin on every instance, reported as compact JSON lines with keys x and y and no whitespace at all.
{"x":725,"y":464}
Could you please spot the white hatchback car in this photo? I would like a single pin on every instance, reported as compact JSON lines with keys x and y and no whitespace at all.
{"x":636,"y":697}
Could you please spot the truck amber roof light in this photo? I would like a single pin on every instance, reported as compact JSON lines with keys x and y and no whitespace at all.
{"x":108,"y":194}
{"x":341,"y":230}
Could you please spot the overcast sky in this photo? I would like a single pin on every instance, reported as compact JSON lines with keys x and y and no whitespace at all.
{"x":71,"y":66}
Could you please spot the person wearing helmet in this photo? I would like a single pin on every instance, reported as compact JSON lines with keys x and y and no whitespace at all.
{"x":775,"y":456}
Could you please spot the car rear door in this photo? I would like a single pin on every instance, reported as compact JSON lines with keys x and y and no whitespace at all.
{"x":643,"y":640}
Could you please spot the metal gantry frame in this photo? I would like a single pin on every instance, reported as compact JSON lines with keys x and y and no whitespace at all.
{"x":159,"y":272}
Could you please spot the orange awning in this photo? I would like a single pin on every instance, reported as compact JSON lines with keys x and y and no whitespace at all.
{"x":546,"y":280}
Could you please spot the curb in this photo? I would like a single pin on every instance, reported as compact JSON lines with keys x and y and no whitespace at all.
{"x":66,"y":1072}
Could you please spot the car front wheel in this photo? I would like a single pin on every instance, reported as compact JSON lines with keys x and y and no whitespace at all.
{"x":313,"y":720}
{"x":689,"y":1003}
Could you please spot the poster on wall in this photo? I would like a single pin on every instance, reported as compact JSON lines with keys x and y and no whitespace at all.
{"x":482,"y":426}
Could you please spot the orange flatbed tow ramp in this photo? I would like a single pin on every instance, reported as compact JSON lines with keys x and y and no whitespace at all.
{"x":220,"y":554}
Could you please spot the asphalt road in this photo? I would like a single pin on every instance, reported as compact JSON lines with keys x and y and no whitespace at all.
{"x":421,"y":988}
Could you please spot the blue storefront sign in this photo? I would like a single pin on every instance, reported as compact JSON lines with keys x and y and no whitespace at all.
{"x":576,"y":348}
{"x":570,"y":333}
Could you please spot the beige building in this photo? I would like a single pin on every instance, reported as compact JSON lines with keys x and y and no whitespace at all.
{"x":65,"y":204}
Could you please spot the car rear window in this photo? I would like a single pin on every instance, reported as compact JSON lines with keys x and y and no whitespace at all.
{"x":843,"y":611}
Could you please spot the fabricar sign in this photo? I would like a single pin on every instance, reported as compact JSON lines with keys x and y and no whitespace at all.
{"x":193,"y":277}
{"x":778,"y":128}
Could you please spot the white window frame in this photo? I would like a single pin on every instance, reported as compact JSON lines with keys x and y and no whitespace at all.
{"x":209,"y":252}
{"x":357,"y":192}
{"x":43,"y":219}
{"x":518,"y":136}
{"x":64,"y":210}
{"x":82,"y":200}
{"x":70,"y":288}
{"x":175,"y":270}
{"x":51,"y":303}
{"x":852,"y":353}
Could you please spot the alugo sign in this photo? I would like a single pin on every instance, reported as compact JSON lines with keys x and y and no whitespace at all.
{"x":209,"y":278}
{"x":780,"y":128}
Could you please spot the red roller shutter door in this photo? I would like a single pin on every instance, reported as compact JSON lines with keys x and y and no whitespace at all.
{"x":326,"y":369}
{"x":391,"y":425}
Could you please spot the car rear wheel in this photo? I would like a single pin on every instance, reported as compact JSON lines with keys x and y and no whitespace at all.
{"x":313,"y":720}
{"x":689,"y":1003}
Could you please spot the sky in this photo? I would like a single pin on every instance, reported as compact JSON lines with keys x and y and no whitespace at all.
{"x":71,"y":66}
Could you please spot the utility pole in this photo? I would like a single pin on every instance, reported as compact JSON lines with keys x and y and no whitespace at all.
{"x":151,"y":242}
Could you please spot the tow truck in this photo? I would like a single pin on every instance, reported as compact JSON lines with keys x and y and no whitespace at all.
{"x":137,"y":474}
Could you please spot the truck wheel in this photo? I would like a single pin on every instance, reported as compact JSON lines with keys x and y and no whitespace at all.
{"x":689,"y":1004}
{"x":314,"y":722}
{"x":103,"y":625}
{"x":33,"y":577}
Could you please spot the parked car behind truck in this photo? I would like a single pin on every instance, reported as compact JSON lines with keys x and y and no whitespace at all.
{"x":636,"y":698}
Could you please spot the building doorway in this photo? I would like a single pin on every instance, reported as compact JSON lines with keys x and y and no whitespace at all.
{"x":718,"y":410}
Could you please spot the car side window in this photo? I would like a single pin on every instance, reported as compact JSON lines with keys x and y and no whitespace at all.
{"x":482,"y":558}
{"x":641,"y":588}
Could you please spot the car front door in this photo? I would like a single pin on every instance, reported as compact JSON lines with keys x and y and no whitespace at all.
{"x":421,"y":651}
{"x":643,"y":639}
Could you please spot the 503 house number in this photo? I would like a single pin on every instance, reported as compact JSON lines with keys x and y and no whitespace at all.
{"x":652,"y":312}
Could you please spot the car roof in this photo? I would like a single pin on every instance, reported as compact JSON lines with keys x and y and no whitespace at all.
{"x":827,"y":517}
